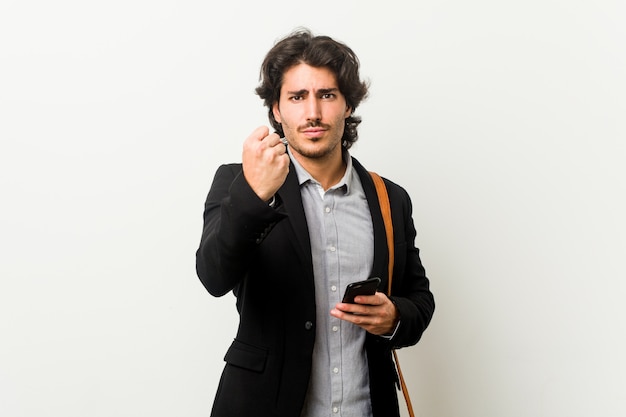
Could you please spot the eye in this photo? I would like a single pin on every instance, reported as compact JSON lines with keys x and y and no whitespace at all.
{"x":328,"y":95}
{"x":295,"y":98}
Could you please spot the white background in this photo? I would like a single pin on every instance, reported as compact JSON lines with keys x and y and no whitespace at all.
{"x":503,"y":119}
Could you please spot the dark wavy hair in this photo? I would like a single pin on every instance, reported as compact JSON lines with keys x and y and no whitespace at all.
{"x":317,"y":51}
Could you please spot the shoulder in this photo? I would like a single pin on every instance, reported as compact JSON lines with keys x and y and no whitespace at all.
{"x":393,"y":188}
{"x":223,"y":178}
{"x":229,"y":168}
{"x":227,"y":173}
{"x":399,"y":198}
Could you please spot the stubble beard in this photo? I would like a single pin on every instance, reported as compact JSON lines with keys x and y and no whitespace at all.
{"x":318,"y":154}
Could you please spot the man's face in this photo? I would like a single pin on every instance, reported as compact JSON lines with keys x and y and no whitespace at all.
{"x":312,"y":112}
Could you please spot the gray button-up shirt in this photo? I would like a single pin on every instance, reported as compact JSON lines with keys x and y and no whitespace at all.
{"x":342,"y":245}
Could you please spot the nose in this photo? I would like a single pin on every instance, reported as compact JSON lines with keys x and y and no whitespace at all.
{"x":313,"y":109}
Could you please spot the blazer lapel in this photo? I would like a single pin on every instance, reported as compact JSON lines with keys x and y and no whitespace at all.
{"x":290,"y":196}
{"x":291,"y":199}
{"x":381,"y":253}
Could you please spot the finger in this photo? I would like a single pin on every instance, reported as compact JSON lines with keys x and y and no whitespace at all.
{"x":259,"y":133}
{"x":350,"y":309}
{"x":373,"y":300}
{"x":273,"y":139}
{"x":346,"y":316}
{"x":280,"y":149}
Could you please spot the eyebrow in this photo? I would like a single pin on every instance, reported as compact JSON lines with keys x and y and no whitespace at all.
{"x":320,"y":91}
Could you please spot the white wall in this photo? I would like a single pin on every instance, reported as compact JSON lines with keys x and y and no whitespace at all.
{"x":504,"y":121}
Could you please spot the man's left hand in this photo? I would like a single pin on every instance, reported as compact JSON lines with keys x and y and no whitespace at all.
{"x":374,"y":313}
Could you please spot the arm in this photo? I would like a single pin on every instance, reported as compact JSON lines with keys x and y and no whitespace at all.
{"x":411,"y":288}
{"x":235,"y":221}
{"x":407,"y":313}
{"x":236,"y":214}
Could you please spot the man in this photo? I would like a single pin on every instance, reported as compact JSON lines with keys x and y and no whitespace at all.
{"x":288,"y":229}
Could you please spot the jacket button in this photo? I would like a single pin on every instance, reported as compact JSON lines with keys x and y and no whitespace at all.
{"x":308,"y":325}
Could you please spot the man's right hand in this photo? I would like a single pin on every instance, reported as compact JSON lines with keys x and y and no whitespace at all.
{"x":265,"y":162}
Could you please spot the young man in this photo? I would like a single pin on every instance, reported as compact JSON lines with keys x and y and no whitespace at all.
{"x":288,"y":229}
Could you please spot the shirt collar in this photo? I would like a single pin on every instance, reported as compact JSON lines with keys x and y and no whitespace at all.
{"x":304,"y":176}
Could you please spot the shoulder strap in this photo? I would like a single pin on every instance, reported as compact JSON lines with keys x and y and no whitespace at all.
{"x":385,"y":208}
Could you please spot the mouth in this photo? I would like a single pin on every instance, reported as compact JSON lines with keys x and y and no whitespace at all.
{"x":314,"y":132}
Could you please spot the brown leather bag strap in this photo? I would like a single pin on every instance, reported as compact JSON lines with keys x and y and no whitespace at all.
{"x":385,"y":208}
{"x":405,"y":389}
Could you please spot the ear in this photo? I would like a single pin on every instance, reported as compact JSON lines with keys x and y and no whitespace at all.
{"x":348,"y":112}
{"x":276,"y":112}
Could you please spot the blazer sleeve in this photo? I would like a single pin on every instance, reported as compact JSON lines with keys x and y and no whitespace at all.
{"x":236,"y":221}
{"x":410,"y":287}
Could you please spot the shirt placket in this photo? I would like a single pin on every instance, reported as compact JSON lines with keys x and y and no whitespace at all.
{"x":332,"y":265}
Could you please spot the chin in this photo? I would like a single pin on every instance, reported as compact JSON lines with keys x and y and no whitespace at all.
{"x":317,"y":152}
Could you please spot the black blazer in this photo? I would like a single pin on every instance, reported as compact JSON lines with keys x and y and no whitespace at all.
{"x":263,"y":255}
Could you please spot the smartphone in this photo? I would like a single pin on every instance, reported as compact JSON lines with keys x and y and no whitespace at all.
{"x":367,"y":287}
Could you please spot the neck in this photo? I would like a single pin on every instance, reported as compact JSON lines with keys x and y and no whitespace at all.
{"x":326,"y":171}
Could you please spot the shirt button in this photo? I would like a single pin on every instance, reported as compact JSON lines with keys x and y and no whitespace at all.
{"x":336,"y":370}
{"x":335,"y":410}
{"x":327,"y":209}
{"x":308,"y":325}
{"x":333,"y":288}
{"x":332,"y":249}
{"x":335,"y":328}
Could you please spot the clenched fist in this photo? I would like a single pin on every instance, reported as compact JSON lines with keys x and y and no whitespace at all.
{"x":265,"y":162}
